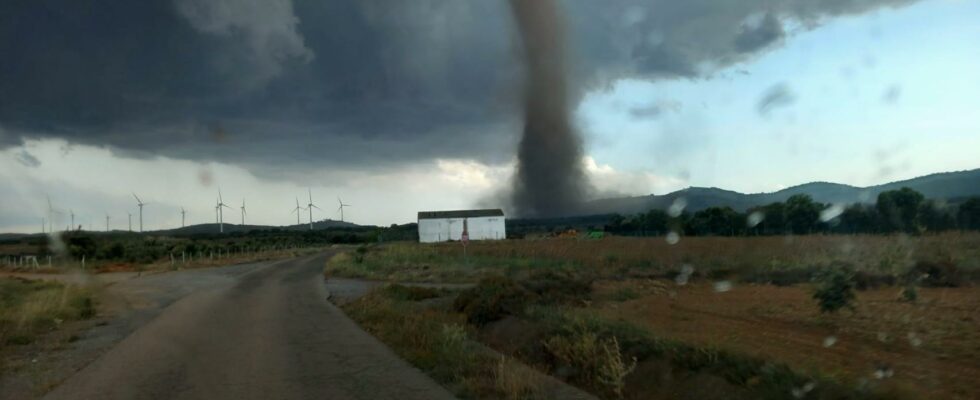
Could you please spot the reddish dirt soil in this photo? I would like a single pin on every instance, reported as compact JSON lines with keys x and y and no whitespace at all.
{"x":932,"y":347}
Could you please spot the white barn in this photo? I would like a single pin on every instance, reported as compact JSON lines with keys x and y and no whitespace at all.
{"x":441,"y":226}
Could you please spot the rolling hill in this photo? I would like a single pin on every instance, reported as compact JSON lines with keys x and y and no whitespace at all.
{"x":948,"y":186}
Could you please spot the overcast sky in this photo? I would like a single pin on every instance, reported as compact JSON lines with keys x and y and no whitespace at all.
{"x":404,"y":106}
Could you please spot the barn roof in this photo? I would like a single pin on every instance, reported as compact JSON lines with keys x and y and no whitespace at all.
{"x":493,"y":212}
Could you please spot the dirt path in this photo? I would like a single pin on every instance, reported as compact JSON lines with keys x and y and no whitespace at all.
{"x":262,"y":332}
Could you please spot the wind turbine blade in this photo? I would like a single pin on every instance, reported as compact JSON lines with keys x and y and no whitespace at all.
{"x":137,"y":199}
{"x":314,"y":206}
{"x":310,"y":191}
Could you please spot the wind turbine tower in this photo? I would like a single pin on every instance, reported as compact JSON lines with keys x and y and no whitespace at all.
{"x":311,"y":206}
{"x":140,"y":203}
{"x":297,"y":211}
{"x":221,"y":214}
{"x":341,"y":208}
{"x":50,"y":213}
{"x":183,"y":214}
{"x":130,"y":220}
{"x":72,"y":226}
{"x":107,"y":222}
{"x":243,"y":213}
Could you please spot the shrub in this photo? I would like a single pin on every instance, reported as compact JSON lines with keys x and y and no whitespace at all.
{"x":835,"y":289}
{"x":865,"y":280}
{"x":936,"y":274}
{"x":551,"y":287}
{"x":359,"y":253}
{"x":910,"y":294}
{"x":625,"y":294}
{"x":492,"y":299}
{"x":594,"y":361}
{"x":411,"y":293}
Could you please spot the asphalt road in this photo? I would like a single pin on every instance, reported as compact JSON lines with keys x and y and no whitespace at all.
{"x":268,"y":334}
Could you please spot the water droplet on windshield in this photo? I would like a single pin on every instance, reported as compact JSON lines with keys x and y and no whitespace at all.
{"x":755,"y":218}
{"x":673,"y":237}
{"x":677,"y":207}
{"x":829,"y":341}
{"x":914,"y":339}
{"x":723,"y":286}
{"x":684,"y":275}
{"x":831,"y":212}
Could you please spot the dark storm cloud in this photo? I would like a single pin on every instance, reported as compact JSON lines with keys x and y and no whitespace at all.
{"x":357,"y":82}
{"x":750,"y":38}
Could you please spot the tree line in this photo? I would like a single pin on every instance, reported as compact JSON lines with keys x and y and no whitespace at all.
{"x":903,"y":210}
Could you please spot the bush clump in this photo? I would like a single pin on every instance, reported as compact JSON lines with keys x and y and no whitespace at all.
{"x":553,"y":288}
{"x":835,"y":289}
{"x":411,"y":293}
{"x":492,"y":299}
{"x":592,"y":360}
{"x":936,"y":274}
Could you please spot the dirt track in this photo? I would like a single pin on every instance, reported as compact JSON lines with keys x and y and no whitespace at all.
{"x":267,"y":332}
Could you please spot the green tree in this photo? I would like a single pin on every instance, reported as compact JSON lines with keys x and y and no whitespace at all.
{"x":802,"y":213}
{"x":968,"y":215}
{"x":935,"y":216}
{"x":899,"y":209}
{"x":655,"y":221}
{"x":716,"y":221}
{"x":858,"y":218}
{"x":774,"y":219}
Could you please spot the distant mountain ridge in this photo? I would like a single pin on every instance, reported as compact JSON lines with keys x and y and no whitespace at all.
{"x":945,"y":185}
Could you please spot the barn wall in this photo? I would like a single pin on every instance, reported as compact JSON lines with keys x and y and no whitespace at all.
{"x":443,"y":229}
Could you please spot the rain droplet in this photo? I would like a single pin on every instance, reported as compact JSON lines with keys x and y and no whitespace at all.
{"x":883,"y":372}
{"x":673,"y":238}
{"x":831,"y":212}
{"x":914,"y":339}
{"x":829,"y":341}
{"x":677,"y":207}
{"x":723,"y":286}
{"x":684,"y":275}
{"x":755,"y":218}
{"x":882,"y":337}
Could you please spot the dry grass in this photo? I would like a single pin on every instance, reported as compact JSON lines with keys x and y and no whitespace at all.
{"x":31,"y":308}
{"x":621,"y":256}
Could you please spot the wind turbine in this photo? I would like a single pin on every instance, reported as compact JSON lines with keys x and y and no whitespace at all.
{"x":72,"y":219}
{"x":341,"y":208}
{"x":50,"y":212}
{"x":297,"y":210}
{"x":140,"y":203}
{"x":310,"y":207}
{"x":221,"y":214}
{"x":243,"y":212}
{"x":130,"y":220}
{"x":107,"y":222}
{"x":183,"y":214}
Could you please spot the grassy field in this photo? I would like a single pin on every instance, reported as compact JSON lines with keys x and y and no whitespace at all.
{"x":762,"y":259}
{"x":704,"y":318}
{"x":31,"y":308}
